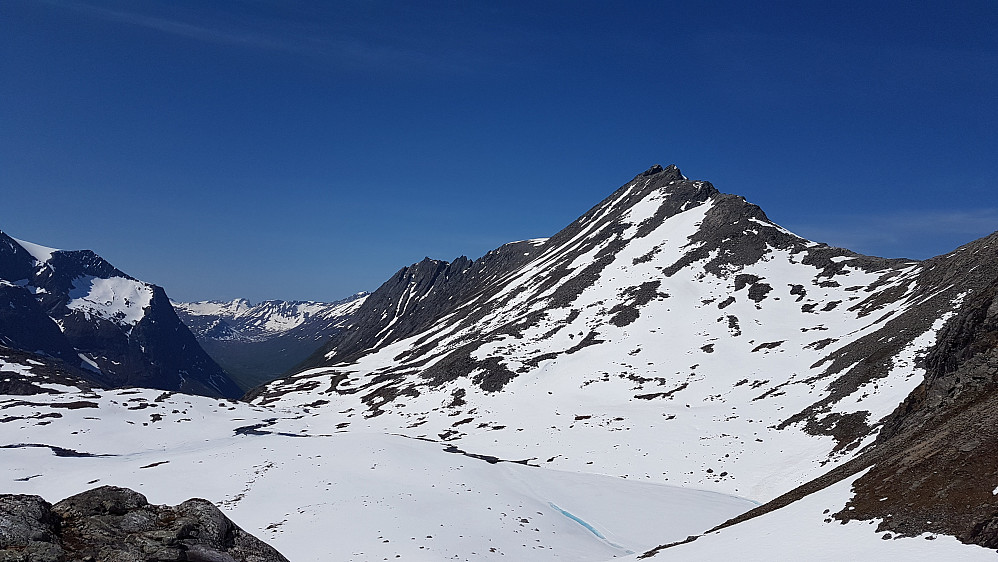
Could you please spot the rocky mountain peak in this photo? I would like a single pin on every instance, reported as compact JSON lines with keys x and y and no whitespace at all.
{"x":672,"y":171}
{"x":419,"y":294}
{"x":656,"y":169}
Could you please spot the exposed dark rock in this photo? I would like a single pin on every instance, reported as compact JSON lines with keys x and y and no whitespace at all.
{"x":118,"y":524}
{"x":34,"y":371}
{"x":758,"y":291}
{"x":767,"y":345}
{"x":16,"y":264}
{"x":744,"y":279}
{"x":938,"y":467}
{"x":487,"y":458}
{"x":799,"y":291}
{"x":57,"y":451}
{"x":733,"y":326}
{"x":28,"y":530}
{"x":25,"y":326}
{"x":656,"y":169}
{"x":634,"y":297}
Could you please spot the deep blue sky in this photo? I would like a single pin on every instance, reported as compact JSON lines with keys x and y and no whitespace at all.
{"x":308,"y":150}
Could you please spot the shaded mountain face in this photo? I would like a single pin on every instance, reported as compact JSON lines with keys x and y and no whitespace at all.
{"x":672,"y":333}
{"x":76,"y":309}
{"x":24,"y":373}
{"x":256,"y":344}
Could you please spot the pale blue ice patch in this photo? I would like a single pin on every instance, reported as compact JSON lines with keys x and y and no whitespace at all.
{"x":590,"y":528}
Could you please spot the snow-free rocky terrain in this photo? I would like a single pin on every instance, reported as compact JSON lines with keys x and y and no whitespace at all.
{"x":255,"y":344}
{"x":74,"y":308}
{"x":671,"y":376}
{"x":111,"y":523}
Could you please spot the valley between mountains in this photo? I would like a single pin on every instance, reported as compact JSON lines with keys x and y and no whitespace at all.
{"x":672,"y":376}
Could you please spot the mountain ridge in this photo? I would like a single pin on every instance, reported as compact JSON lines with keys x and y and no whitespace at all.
{"x":437,"y":334}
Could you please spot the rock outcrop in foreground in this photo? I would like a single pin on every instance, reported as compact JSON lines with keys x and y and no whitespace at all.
{"x":111,"y":524}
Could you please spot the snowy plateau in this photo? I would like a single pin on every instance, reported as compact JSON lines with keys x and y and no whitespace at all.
{"x":670,"y":377}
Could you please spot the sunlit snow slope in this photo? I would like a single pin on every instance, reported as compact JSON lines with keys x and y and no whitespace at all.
{"x":807,"y":530}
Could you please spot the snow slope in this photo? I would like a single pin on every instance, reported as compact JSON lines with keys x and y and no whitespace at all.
{"x":356,"y":495}
{"x":117,"y":299}
{"x":41,"y":253}
{"x":805,"y":530}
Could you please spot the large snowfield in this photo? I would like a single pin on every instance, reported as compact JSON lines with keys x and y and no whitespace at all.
{"x":343,"y":495}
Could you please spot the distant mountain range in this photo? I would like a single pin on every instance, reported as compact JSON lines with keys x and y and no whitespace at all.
{"x":258,"y":343}
{"x":671,"y":376}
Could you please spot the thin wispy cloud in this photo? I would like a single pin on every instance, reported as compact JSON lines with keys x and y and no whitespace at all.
{"x":294,"y":38}
{"x":908,"y":233}
{"x":212,"y":34}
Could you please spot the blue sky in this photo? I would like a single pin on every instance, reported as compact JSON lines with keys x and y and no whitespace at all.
{"x":308,"y":150}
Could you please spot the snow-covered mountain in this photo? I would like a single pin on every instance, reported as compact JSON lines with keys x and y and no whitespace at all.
{"x":671,"y":376}
{"x":672,"y":334}
{"x":258,"y":343}
{"x":108,"y":328}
